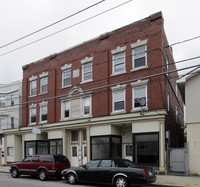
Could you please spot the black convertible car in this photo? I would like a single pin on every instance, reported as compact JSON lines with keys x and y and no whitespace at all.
{"x":118,"y":172}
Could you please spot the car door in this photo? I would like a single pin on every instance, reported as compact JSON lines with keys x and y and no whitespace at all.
{"x":88,"y":173}
{"x":35,"y":164}
{"x":24,"y":166}
{"x":105,"y":171}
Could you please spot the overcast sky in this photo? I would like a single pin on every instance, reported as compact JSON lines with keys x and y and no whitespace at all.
{"x":22,"y":17}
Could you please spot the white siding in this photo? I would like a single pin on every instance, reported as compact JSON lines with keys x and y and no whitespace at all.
{"x":192,"y":97}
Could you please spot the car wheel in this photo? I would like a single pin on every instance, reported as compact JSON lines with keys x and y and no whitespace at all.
{"x":15,"y":173}
{"x":71,"y":178}
{"x":121,"y":182}
{"x":42,"y":175}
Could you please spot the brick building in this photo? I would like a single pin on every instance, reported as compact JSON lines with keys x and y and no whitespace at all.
{"x":101,"y":98}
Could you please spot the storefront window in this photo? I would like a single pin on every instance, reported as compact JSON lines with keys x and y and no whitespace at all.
{"x":42,"y":147}
{"x":146,"y":149}
{"x":30,"y":148}
{"x":106,"y":147}
{"x":55,"y":146}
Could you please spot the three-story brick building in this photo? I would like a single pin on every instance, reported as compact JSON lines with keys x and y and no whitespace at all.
{"x":102,"y":98}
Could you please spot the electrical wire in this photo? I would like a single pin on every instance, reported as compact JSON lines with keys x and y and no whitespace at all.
{"x":52,"y":24}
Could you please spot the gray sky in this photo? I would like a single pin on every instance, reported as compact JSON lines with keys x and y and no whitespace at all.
{"x":22,"y":17}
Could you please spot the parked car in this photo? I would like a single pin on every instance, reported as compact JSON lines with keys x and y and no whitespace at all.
{"x":42,"y":166}
{"x":118,"y":172}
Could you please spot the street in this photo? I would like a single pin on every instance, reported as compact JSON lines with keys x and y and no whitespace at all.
{"x":28,"y":181}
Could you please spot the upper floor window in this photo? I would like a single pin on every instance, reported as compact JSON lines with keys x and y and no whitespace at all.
{"x":44,"y":85}
{"x":87,"y":72}
{"x":43,"y":112}
{"x":118,"y":100}
{"x":12,"y":122}
{"x":2,"y":101}
{"x":33,"y":87}
{"x":66,"y":78}
{"x":87,"y":69}
{"x":12,"y":100}
{"x":140,"y":96}
{"x":2,"y":123}
{"x":65,"y":109}
{"x":87,"y":105}
{"x":118,"y":60}
{"x":139,"y":57}
{"x":32,"y":115}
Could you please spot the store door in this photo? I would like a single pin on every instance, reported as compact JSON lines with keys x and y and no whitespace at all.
{"x":128,"y":151}
{"x":74,"y":155}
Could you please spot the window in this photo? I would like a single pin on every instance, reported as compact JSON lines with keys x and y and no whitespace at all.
{"x":84,"y":135}
{"x":56,"y":147}
{"x":128,"y":150}
{"x":12,"y":100}
{"x":139,"y":96}
{"x":10,"y":151}
{"x":139,"y":56}
{"x":33,"y":115}
{"x":42,"y":147}
{"x":146,"y":148}
{"x":30,"y":148}
{"x":43,"y":113}
{"x":44,"y":85}
{"x":168,"y":102}
{"x":74,"y":151}
{"x":106,"y":147}
{"x":1,"y":140}
{"x":119,"y":100}
{"x":66,"y":109}
{"x":66,"y":78}
{"x":12,"y":122}
{"x":93,"y":163}
{"x":74,"y":136}
{"x":36,"y":159}
{"x":118,"y":62}
{"x":33,"y":87}
{"x":86,"y":106}
{"x":87,"y":72}
{"x":2,"y":123}
{"x":27,"y":159}
{"x":2,"y":101}
{"x":106,"y":163}
{"x":47,"y":158}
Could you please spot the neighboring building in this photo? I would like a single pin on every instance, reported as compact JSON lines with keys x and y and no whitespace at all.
{"x":10,"y":121}
{"x":190,"y":89}
{"x":100,"y":98}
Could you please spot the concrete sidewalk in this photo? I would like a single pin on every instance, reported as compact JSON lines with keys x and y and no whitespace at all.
{"x":166,"y":180}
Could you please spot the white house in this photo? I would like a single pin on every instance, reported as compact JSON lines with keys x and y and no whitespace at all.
{"x":190,"y":89}
{"x":10,"y":119}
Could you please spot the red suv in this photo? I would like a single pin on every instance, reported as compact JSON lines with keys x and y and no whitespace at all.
{"x":41,"y":166}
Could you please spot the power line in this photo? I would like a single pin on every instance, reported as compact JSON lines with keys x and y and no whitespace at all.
{"x":43,"y":28}
{"x":66,"y":28}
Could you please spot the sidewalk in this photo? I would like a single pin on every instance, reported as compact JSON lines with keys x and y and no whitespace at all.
{"x":166,"y":180}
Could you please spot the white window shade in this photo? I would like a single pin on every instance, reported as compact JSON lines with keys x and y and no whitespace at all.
{"x":140,"y":92}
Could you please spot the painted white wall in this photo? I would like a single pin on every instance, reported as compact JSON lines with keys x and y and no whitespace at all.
{"x":192,"y":99}
{"x":193,"y":138}
{"x":56,"y":134}
{"x":145,"y":126}
{"x":100,"y":130}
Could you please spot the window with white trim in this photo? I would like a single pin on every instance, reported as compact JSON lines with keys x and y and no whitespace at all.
{"x":119,"y":62}
{"x":33,"y":87}
{"x":139,"y":96}
{"x":12,"y":122}
{"x":87,"y":106}
{"x":12,"y":100}
{"x":44,"y":85}
{"x":32,"y":115}
{"x":2,"y":123}
{"x":139,"y":57}
{"x":65,"y":109}
{"x":10,"y":151}
{"x":43,"y":113}
{"x":2,"y":101}
{"x":66,"y":78}
{"x":87,"y":72}
{"x":118,"y":100}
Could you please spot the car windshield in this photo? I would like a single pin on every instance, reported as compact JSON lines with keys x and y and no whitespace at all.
{"x":60,"y":159}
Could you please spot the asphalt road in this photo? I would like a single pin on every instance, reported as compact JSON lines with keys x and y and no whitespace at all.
{"x":26,"y":181}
